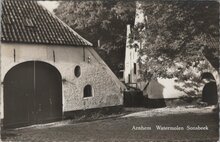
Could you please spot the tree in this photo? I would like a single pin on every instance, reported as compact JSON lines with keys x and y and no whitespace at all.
{"x":100,"y":20}
{"x":180,"y":31}
{"x":178,"y":35}
{"x":177,"y":39}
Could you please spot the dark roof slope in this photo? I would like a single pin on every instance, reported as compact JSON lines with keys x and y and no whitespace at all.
{"x":25,"y":21}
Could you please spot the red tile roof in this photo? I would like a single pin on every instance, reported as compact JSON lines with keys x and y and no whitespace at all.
{"x":25,"y":21}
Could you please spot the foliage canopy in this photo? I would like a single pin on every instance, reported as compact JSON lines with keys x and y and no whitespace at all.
{"x":177,"y":33}
{"x":101,"y":20}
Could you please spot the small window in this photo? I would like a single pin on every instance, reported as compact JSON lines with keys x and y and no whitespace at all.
{"x":136,"y":47}
{"x":135,"y":68}
{"x":87,"y":92}
{"x":129,"y":78}
{"x":77,"y":71}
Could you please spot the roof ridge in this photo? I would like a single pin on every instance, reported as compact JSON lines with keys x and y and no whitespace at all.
{"x":67,"y":26}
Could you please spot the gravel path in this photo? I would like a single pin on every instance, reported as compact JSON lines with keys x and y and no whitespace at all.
{"x":171,"y":110}
{"x":139,"y":126}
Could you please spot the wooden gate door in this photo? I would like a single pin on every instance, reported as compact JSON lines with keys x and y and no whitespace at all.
{"x":18,"y":95}
{"x":48,"y":93}
{"x":32,"y":94}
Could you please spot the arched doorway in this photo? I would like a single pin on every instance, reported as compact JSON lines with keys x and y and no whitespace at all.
{"x":32,"y":94}
{"x":209,"y":92}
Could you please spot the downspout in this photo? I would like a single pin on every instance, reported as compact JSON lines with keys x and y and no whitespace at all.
{"x":84,"y":57}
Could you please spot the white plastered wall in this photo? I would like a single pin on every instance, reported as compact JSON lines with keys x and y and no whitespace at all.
{"x":107,"y":91}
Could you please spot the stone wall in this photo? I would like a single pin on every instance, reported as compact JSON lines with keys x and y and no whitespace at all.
{"x":163,"y":88}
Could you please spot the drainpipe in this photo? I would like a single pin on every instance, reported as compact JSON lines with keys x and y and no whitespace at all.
{"x":84,"y":57}
{"x":98,"y":43}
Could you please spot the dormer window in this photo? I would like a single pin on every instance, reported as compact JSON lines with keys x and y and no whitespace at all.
{"x":6,"y":20}
{"x":28,"y":22}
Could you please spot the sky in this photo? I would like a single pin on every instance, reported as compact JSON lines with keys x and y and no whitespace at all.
{"x":50,"y":5}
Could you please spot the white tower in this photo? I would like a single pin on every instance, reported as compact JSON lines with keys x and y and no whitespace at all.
{"x":131,"y":74}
